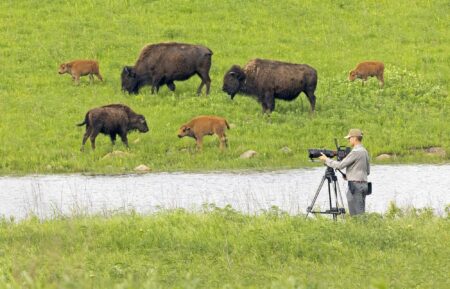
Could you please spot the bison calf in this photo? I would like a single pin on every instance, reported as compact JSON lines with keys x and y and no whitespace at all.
{"x":112,"y":120}
{"x":79,"y":68}
{"x":369,"y":68}
{"x":205,"y":125}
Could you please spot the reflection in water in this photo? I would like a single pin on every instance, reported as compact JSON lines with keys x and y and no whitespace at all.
{"x":249,"y":192}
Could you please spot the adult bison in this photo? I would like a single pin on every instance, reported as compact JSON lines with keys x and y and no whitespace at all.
{"x":269,"y":79}
{"x":163,"y":63}
{"x":112,"y":120}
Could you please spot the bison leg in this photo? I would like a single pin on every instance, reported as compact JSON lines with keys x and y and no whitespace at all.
{"x":199,"y":141}
{"x":155,"y":87}
{"x":171,"y":86}
{"x":223,"y":141}
{"x":199,"y":89}
{"x":113,"y":138}
{"x":93,"y":136}
{"x":269,"y":101}
{"x":76,"y":79}
{"x":85,"y":137}
{"x":123,"y":137}
{"x":155,"y":84}
{"x":364,"y":79}
{"x":312,"y":99}
{"x":91,"y":79}
{"x":220,"y":132}
{"x":264,"y":107}
{"x":205,"y":81}
{"x":380,"y":80}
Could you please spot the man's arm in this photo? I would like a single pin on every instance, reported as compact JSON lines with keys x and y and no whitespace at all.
{"x":348,"y":160}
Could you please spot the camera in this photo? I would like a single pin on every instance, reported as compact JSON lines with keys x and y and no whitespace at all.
{"x":341,"y":152}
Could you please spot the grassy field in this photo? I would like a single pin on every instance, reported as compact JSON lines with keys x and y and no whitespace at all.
{"x":224,"y":249}
{"x":39,"y":108}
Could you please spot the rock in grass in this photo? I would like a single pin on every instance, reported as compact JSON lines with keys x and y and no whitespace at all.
{"x":383,"y":157}
{"x":285,"y":150}
{"x":115,"y":154}
{"x":248,"y":154}
{"x":436,"y":151}
{"x":142,"y":169}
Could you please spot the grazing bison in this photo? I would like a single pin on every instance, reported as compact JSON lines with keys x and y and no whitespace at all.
{"x":369,"y":68}
{"x":205,"y":125}
{"x":163,"y":63}
{"x":112,"y":120}
{"x":79,"y":68}
{"x":268,"y":80}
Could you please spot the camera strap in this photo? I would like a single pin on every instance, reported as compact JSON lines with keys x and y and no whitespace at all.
{"x":343,"y":175}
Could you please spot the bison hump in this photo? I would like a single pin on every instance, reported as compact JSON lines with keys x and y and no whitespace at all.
{"x":251,"y":67}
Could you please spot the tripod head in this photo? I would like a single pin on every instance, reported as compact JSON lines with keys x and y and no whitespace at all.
{"x":330,"y":174}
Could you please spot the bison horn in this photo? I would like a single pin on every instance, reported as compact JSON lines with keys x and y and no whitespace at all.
{"x":127,"y":69}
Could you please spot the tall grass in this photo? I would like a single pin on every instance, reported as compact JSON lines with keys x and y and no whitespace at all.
{"x":221,"y":248}
{"x":39,"y":108}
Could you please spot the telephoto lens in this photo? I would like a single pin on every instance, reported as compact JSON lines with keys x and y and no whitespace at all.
{"x":315,"y":153}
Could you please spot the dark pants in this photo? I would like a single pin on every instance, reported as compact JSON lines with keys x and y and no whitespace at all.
{"x":356,"y":198}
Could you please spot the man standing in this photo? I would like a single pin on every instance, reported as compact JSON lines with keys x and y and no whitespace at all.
{"x":357,"y":169}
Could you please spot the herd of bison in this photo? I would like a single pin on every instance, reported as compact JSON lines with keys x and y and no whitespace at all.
{"x":164,"y":63}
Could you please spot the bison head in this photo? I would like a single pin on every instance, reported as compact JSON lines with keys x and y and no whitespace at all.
{"x":352,"y":75}
{"x":138,"y":123}
{"x":233,"y":80}
{"x":63,"y":68}
{"x":129,"y":80}
{"x":184,"y":131}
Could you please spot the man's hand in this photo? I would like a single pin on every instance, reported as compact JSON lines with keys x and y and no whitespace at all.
{"x":323,"y":157}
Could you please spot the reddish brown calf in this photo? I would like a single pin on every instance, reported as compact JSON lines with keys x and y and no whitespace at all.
{"x":369,"y":68}
{"x":205,"y":125}
{"x":79,"y":68}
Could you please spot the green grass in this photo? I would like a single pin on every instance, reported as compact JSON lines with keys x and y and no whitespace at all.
{"x":39,"y":108}
{"x":221,"y":248}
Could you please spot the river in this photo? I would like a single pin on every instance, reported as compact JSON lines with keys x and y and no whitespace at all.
{"x":292,"y":191}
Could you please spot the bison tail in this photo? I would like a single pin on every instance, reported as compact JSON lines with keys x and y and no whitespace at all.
{"x":226,"y":123}
{"x":85,"y":121}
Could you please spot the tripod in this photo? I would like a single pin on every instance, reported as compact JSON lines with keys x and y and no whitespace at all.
{"x":338,"y":209}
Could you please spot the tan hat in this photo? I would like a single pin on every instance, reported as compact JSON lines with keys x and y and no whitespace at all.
{"x":354,"y":132}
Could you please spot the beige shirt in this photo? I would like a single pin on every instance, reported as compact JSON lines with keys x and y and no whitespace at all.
{"x":356,"y":162}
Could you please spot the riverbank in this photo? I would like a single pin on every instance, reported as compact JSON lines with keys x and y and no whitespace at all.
{"x":221,"y":248}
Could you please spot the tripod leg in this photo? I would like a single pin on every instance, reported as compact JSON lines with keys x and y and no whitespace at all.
{"x":329,"y":197}
{"x":335,"y":195}
{"x":333,"y":212}
{"x":340,"y":197}
{"x":310,"y":207}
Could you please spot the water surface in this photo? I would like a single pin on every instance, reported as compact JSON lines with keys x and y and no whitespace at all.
{"x":250,"y":192}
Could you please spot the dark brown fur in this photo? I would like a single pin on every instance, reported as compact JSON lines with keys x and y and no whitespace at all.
{"x":79,"y":68}
{"x":269,"y":80}
{"x":205,"y":125}
{"x":112,"y":120}
{"x":367,"y":69}
{"x":163,"y":63}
